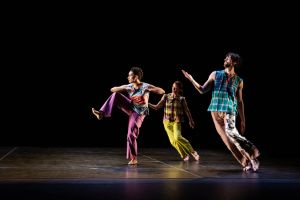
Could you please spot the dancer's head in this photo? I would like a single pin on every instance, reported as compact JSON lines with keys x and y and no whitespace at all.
{"x":232,"y":60}
{"x":135,"y":74}
{"x":177,"y":88}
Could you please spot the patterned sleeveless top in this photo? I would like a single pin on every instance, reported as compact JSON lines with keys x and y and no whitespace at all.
{"x":137,"y":97}
{"x":224,"y":93}
{"x":173,"y":110}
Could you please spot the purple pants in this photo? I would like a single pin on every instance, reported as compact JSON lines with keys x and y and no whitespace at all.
{"x":134,"y":123}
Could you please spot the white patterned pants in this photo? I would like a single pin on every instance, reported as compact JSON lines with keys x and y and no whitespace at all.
{"x":241,"y":148}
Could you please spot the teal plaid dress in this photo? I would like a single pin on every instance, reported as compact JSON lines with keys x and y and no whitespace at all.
{"x":224,"y":93}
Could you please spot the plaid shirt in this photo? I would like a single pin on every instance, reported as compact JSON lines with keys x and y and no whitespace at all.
{"x":173,"y":110}
{"x":224,"y":93}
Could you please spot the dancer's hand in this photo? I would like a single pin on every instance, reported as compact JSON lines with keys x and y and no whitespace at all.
{"x":187,"y":75}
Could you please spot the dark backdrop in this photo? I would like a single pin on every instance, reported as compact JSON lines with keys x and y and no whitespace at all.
{"x":57,"y":72}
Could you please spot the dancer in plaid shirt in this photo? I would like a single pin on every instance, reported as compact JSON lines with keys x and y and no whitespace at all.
{"x":175,"y":106}
{"x":226,"y":103}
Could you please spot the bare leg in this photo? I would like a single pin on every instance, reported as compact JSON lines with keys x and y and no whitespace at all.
{"x":97,"y":113}
{"x":220,"y":127}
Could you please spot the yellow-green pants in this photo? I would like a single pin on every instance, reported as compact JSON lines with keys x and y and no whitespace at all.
{"x":181,"y":144}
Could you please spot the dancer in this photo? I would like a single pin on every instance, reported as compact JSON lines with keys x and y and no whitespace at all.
{"x":226,"y":103}
{"x":136,"y":107}
{"x":175,"y":106}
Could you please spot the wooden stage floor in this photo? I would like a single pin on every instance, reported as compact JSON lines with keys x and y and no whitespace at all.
{"x":103,"y":173}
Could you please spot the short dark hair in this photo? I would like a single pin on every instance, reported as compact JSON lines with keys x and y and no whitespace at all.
{"x":137,"y":71}
{"x":236,"y":58}
{"x":180,"y":86}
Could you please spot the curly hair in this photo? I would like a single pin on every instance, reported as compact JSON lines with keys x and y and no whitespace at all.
{"x":236,"y":58}
{"x":137,"y":71}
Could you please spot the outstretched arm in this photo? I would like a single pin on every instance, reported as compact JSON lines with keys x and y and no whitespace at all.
{"x":201,"y":88}
{"x":188,"y":113}
{"x":155,"y":89}
{"x":241,"y":108}
{"x":159,"y":104}
{"x":121,"y":88}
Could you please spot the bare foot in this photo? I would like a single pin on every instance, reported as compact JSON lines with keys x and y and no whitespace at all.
{"x":98,"y":114}
{"x":186,"y":158}
{"x":255,"y":164}
{"x":195,"y":155}
{"x":133,"y":162}
{"x":247,"y":167}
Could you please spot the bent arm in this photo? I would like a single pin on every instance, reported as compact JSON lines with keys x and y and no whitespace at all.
{"x":156,"y":90}
{"x":121,"y":88}
{"x":159,"y":104}
{"x":201,"y":88}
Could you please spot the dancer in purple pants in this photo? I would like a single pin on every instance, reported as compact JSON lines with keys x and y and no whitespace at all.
{"x":136,"y":107}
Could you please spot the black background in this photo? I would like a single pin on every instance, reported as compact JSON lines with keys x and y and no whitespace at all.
{"x":57,"y":69}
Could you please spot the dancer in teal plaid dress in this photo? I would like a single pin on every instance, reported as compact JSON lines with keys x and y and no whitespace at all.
{"x":226,"y":103}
